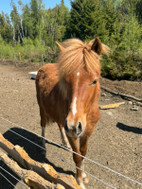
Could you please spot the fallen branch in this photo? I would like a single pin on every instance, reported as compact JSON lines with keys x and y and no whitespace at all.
{"x":32,"y":179}
{"x":130,"y":97}
{"x":111,"y":106}
{"x":44,"y":170}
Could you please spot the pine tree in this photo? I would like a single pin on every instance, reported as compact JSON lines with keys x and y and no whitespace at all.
{"x":55,"y":23}
{"x":139,"y":11}
{"x":86,"y":20}
{"x":5,"y":27}
{"x":36,"y":17}
{"x":62,"y":20}
{"x":81,"y":20}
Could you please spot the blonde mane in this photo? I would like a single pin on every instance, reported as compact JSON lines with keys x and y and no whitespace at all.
{"x":76,"y":55}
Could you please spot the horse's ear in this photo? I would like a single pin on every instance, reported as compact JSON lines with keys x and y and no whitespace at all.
{"x":60,"y":46}
{"x":97,"y":46}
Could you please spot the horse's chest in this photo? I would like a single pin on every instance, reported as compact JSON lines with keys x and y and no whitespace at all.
{"x":56,"y":107}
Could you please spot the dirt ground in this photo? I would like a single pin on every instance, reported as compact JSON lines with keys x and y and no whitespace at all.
{"x":115,"y":143}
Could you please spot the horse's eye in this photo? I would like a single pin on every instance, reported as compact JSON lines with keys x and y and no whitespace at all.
{"x":94,"y":82}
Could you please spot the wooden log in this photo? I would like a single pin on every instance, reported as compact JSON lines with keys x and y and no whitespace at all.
{"x":32,"y":179}
{"x":111,"y":106}
{"x":126,"y":96}
{"x":44,"y":170}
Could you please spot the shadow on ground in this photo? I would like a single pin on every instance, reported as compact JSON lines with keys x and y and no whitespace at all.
{"x":6,"y":180}
{"x":129,"y":128}
{"x":21,"y":137}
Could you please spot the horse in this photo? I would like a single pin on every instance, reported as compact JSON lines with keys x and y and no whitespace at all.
{"x":68,"y":92}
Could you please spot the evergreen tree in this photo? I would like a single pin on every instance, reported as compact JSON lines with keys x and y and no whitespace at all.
{"x":36,"y":17}
{"x":5,"y":27}
{"x":124,"y":62}
{"x":55,"y":23}
{"x":86,"y":20}
{"x":110,"y":15}
{"x":62,"y":20}
{"x":132,"y":6}
{"x":118,"y":23}
{"x":81,"y":19}
{"x":139,"y":11}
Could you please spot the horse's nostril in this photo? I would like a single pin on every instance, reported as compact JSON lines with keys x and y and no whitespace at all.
{"x":66,"y":126}
{"x":79,"y":128}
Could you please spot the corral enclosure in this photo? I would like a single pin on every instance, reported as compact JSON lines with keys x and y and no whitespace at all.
{"x":115,"y":143}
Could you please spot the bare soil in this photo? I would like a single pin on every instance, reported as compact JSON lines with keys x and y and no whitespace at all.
{"x":115,"y":143}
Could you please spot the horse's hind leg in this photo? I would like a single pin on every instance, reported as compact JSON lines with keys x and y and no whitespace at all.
{"x":43,"y":125}
{"x":64,"y":138}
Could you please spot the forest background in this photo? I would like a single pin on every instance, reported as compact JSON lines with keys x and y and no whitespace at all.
{"x":29,"y":34}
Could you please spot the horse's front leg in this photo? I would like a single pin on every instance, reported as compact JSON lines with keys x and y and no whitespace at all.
{"x":78,"y":160}
{"x":83,"y":149}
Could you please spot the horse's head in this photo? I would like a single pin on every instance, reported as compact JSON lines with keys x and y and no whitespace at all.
{"x":79,"y":69}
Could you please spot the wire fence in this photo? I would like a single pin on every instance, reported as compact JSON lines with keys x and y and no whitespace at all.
{"x":8,"y":180}
{"x":12,"y":177}
{"x":55,"y":155}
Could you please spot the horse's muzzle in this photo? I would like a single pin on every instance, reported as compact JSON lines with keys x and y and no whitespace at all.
{"x":73,"y":130}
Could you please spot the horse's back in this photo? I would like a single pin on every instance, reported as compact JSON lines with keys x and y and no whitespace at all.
{"x":47,"y":77}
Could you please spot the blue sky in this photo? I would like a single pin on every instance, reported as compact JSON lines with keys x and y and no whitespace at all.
{"x":6,"y":8}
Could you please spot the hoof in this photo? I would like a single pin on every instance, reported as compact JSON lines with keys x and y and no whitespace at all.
{"x":69,"y":148}
{"x":82,"y":186}
{"x":81,"y":183}
{"x":85,"y":180}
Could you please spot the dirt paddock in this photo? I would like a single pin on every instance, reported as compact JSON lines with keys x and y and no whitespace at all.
{"x":115,"y":143}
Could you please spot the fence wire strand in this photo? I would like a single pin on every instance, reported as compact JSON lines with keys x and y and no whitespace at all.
{"x":7,"y":180}
{"x":92,"y":161}
{"x":12,"y":177}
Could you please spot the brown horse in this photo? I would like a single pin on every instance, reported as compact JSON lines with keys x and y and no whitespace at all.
{"x":68,"y":93}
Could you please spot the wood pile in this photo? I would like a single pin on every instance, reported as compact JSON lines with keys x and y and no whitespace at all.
{"x":35,"y":175}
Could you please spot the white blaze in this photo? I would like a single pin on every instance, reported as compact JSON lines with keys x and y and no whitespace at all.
{"x":78,"y":73}
{"x":74,"y":109}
